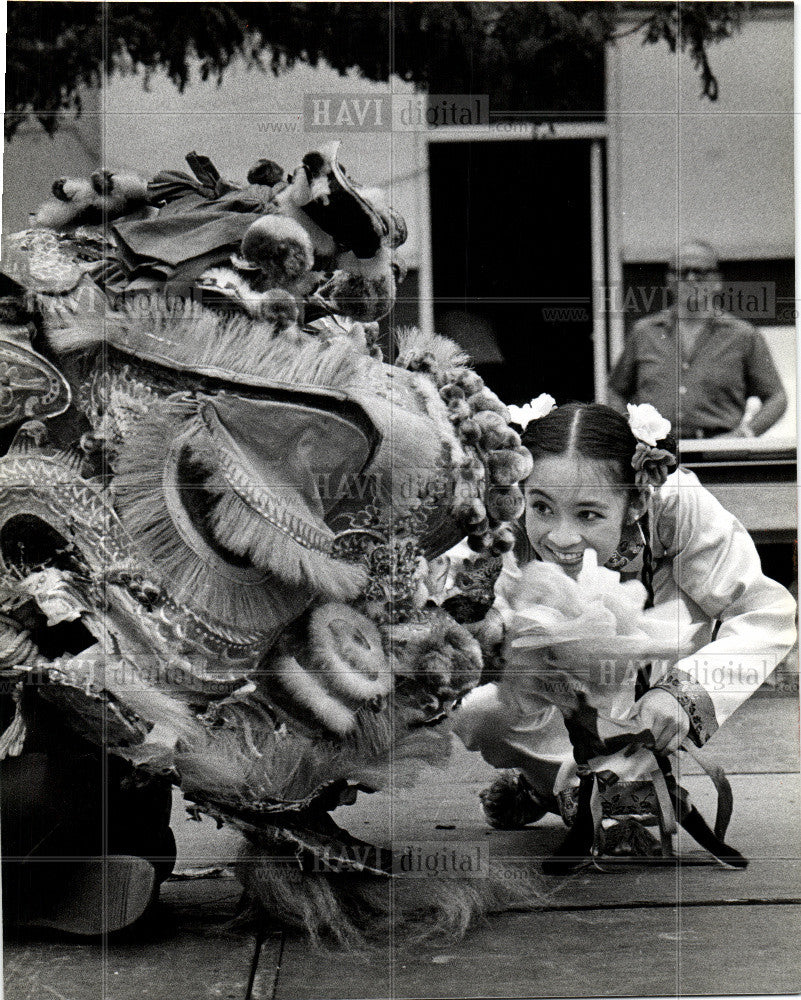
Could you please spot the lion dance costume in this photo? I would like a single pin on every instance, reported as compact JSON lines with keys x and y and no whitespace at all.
{"x":221,"y":511}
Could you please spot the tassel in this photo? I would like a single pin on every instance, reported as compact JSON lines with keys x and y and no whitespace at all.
{"x":12,"y":740}
{"x":597,"y":814}
{"x":17,"y":649}
{"x":255,"y":525}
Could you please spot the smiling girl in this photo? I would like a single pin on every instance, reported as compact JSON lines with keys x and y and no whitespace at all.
{"x":602,"y":483}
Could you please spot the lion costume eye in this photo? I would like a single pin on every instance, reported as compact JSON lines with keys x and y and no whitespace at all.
{"x":345,"y":646}
{"x":341,"y":669}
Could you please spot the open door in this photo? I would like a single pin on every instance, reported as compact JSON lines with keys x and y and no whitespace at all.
{"x":512,"y":262}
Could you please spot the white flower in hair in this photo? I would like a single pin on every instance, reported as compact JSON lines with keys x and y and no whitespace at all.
{"x":647,"y":423}
{"x":537,"y":408}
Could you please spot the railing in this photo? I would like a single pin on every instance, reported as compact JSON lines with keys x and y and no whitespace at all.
{"x":754,"y":478}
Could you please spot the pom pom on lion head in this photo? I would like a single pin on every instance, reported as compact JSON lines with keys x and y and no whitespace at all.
{"x":314,"y":238}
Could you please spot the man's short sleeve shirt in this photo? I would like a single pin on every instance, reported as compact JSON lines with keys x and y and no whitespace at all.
{"x":702,"y":393}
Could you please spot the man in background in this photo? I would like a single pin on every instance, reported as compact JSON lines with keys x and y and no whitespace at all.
{"x":697,"y":364}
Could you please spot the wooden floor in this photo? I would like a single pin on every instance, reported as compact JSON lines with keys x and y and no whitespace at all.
{"x":636,"y":930}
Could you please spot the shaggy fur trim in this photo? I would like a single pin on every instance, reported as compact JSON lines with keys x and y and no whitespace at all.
{"x":359,"y":911}
{"x":147,"y":499}
{"x":364,"y":299}
{"x":345,"y":651}
{"x":276,"y":308}
{"x":280,"y":248}
{"x":306,"y":692}
{"x":445,"y":354}
{"x":187,"y":335}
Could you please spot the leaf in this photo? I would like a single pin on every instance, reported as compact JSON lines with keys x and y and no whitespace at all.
{"x":542,"y":55}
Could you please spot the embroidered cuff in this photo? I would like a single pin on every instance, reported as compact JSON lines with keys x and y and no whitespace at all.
{"x":695,"y":701}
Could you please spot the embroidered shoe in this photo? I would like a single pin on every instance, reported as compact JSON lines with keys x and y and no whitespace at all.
{"x":510,"y":803}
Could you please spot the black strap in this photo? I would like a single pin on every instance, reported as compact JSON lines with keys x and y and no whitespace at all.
{"x":695,"y":824}
{"x":643,"y":682}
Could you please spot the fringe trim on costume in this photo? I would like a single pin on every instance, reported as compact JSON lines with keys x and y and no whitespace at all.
{"x":13,"y":738}
{"x":445,"y":354}
{"x":172,"y":720}
{"x":242,"y":756}
{"x":358,"y":911}
{"x":217,"y":762}
{"x":246,"y":757}
{"x":272,"y":543}
{"x":187,"y":334}
{"x":149,"y":506}
{"x":374,"y":754}
{"x":398,"y":767}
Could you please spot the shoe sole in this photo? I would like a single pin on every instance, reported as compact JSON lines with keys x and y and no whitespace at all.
{"x":89,"y":898}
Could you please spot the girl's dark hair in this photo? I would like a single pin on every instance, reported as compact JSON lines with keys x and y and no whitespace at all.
{"x":591,"y":429}
{"x":595,"y":431}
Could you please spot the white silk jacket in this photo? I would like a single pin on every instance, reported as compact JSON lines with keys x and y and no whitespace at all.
{"x":707,"y":564}
{"x":707,"y":573}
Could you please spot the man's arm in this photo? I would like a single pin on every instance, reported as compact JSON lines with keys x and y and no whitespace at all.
{"x":764,"y":381}
{"x":622,"y":385}
{"x":772,"y":409}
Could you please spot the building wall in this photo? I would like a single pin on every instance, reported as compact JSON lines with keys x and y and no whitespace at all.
{"x":253,"y":115}
{"x":678,"y":158}
{"x":32,"y":160}
{"x":721,"y":171}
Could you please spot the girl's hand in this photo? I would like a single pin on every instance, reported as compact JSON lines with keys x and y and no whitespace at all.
{"x":659,"y":711}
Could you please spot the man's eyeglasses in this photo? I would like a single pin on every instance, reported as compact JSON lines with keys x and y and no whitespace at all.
{"x":693,"y":273}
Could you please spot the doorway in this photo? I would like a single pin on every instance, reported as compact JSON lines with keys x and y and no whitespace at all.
{"x":512,"y":262}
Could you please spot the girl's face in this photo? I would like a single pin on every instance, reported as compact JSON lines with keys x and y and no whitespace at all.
{"x":572,"y":505}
